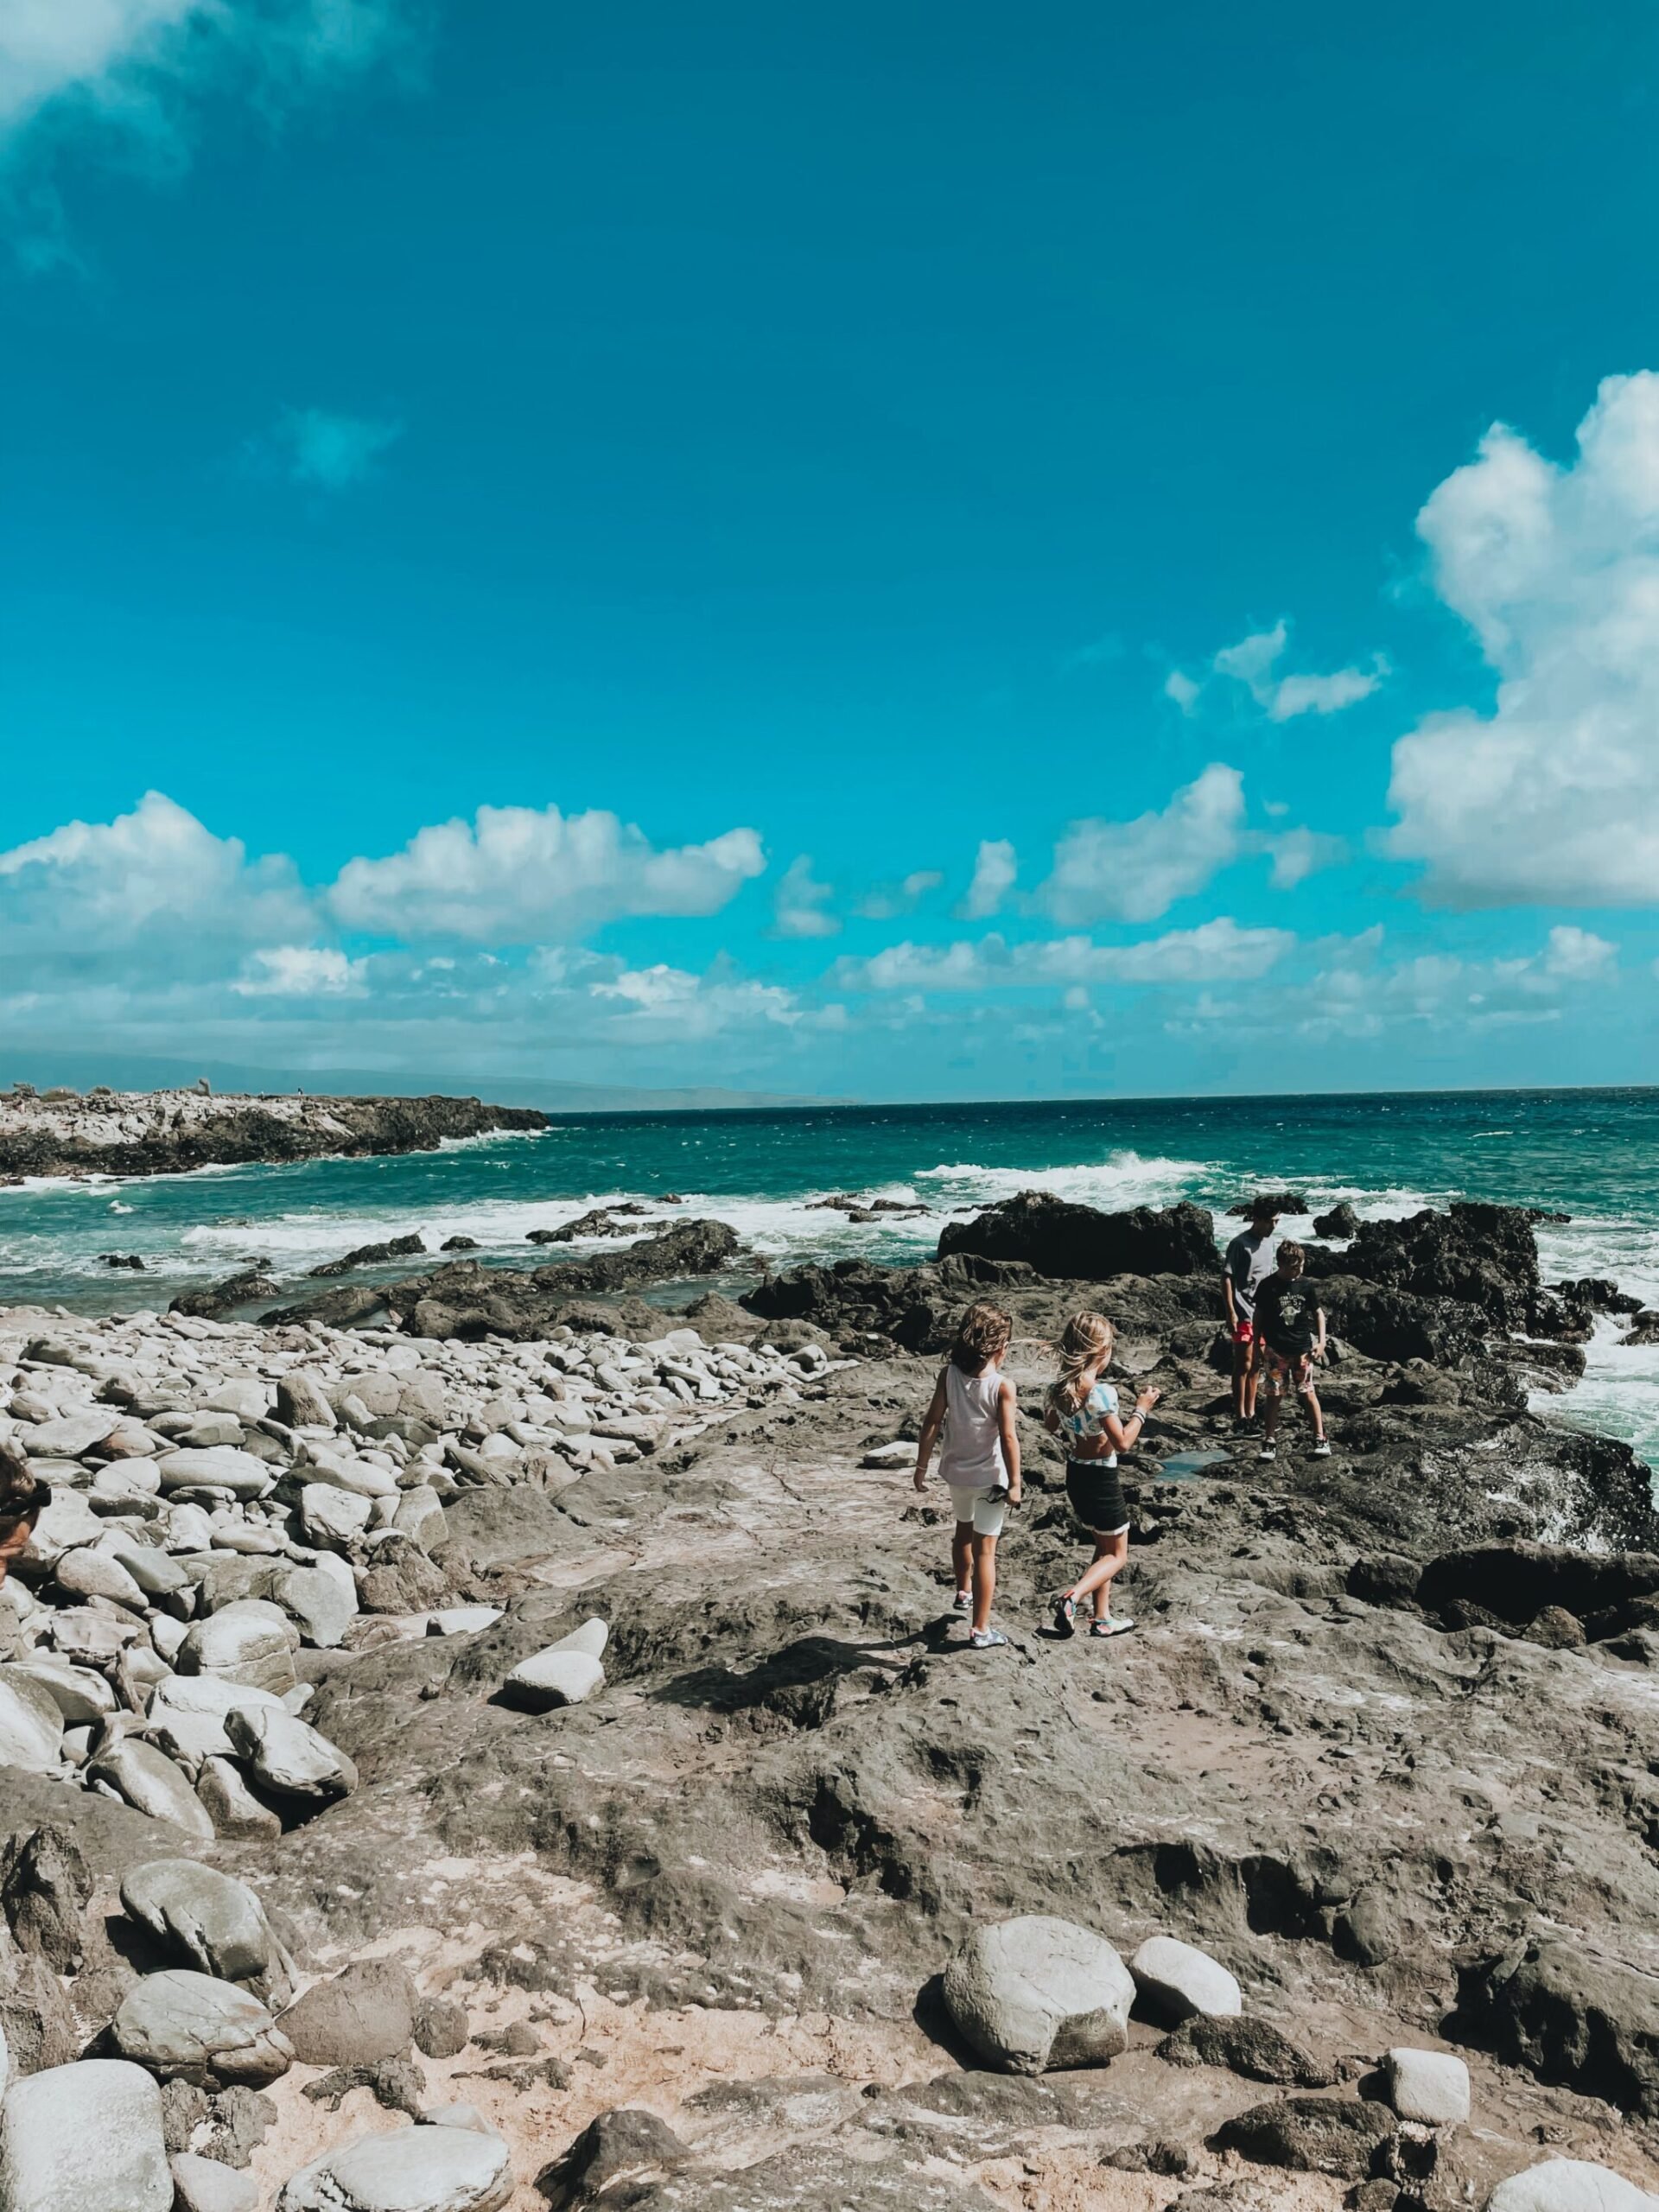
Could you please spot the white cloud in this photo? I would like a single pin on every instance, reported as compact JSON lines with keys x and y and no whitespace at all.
{"x":1550,"y":798}
{"x":1298,"y":854}
{"x":300,"y":971}
{"x":799,"y":902}
{"x":1134,"y":871}
{"x":1218,"y":951}
{"x":888,"y":900}
{"x":995,"y":868}
{"x":153,"y":885}
{"x":1182,"y":688}
{"x":515,"y":876}
{"x":331,"y":452}
{"x":1254,"y":662}
{"x":1578,"y":955}
{"x":131,"y":61}
{"x":664,"y":998}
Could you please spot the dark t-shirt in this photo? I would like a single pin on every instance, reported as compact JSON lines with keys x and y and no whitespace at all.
{"x":1287,"y":1313}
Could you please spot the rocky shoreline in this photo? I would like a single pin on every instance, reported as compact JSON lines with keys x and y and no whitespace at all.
{"x":516,"y":1750}
{"x":104,"y":1132}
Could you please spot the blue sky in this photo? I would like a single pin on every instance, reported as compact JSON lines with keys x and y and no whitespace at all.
{"x":893,"y":551}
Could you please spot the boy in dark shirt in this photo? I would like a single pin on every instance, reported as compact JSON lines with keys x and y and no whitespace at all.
{"x":1290,"y":1326}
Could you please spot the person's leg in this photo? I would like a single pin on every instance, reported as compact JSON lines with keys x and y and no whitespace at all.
{"x":1252,"y":1376}
{"x":1095,"y":1581}
{"x":962,"y":1556}
{"x":1310,"y":1400}
{"x":1271,"y":1393}
{"x":1241,"y":1377}
{"x":984,"y":1550}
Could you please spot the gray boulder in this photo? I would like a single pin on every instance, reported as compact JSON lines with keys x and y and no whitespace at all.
{"x":552,"y":1678}
{"x":179,"y":2022}
{"x":204,"y":2185}
{"x":215,"y":1923}
{"x":301,"y":1402}
{"x":147,"y":1780}
{"x":1429,"y":2086}
{"x":87,"y":2136}
{"x":287,"y":1755}
{"x":31,"y":1723}
{"x":1036,"y":1992}
{"x":406,"y":2170}
{"x":1174,"y":1981}
{"x":215,"y":1466}
{"x":357,"y":2017}
{"x":249,"y":1641}
{"x":237,"y":1814}
{"x":1569,"y":2185}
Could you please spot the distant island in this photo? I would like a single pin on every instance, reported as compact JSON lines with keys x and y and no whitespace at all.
{"x":105,"y":1131}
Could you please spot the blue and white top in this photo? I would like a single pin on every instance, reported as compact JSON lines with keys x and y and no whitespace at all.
{"x":1090,"y":1420}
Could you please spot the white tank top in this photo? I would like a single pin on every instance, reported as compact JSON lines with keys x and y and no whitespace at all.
{"x":971,"y":1457}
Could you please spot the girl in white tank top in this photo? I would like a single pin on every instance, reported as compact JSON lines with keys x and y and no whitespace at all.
{"x":973,"y":1409}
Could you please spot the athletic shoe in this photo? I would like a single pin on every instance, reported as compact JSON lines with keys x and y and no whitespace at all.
{"x":964,"y":1601}
{"x":984,"y":1639}
{"x":1268,"y":1452}
{"x":1322,"y":1448}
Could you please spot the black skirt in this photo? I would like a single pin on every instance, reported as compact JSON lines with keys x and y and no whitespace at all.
{"x":1097,"y":1496}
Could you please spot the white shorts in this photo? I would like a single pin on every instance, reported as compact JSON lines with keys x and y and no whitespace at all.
{"x":987,"y":1508}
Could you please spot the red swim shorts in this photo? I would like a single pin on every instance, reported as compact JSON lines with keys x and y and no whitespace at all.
{"x":1243,"y":1332}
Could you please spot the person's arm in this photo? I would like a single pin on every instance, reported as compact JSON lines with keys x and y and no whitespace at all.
{"x":1124,"y":1435}
{"x":932,"y":1422}
{"x":1318,"y":1342}
{"x":1227,"y":1294}
{"x":1007,"y":1399}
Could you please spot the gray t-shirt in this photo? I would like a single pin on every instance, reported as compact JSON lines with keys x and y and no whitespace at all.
{"x":1250,"y":1260}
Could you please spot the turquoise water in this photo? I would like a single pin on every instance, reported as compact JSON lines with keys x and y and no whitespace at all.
{"x":1592,"y":1154}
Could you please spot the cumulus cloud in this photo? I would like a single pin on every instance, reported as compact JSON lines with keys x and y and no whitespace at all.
{"x":1254,"y":662}
{"x":514,"y":875}
{"x":330,"y":452}
{"x":1134,"y":871}
{"x":799,"y":904}
{"x":1218,"y":951}
{"x":664,"y":998}
{"x":995,"y":868}
{"x":1298,"y":854}
{"x":155,"y":886}
{"x":1555,"y":569}
{"x":300,"y":971}
{"x":1183,"y":690}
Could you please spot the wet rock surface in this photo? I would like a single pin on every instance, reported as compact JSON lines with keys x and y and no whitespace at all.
{"x":701,"y":1920}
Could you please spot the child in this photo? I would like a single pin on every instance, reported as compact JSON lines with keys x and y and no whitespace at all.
{"x":981,"y":1460}
{"x":23,"y":1498}
{"x":1290,"y":1322}
{"x":1248,"y":1262}
{"x":1083,"y":1410}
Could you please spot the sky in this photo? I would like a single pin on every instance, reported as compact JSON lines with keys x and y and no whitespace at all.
{"x":863,"y":551}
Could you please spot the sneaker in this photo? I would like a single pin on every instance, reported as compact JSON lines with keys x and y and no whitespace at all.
{"x":1268,"y":1452}
{"x":983,"y":1639}
{"x":964,"y":1601}
{"x":1322,"y":1447}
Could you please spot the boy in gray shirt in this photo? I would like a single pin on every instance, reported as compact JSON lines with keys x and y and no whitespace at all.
{"x":1251,"y":1258}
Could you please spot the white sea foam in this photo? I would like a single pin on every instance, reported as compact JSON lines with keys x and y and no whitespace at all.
{"x":1121,"y":1179}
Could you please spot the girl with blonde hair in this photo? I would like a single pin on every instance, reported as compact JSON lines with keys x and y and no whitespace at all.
{"x":1083,"y":1412}
{"x":973,"y":1405}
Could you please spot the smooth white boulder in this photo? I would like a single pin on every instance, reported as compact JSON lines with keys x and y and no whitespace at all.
{"x":68,"y":1520}
{"x":553,"y":1678}
{"x":89,"y":1571}
{"x":70,"y":1434}
{"x":1174,"y":1980}
{"x":406,"y":2170}
{"x":216,"y":1466}
{"x":1038,"y":1992}
{"x":287,"y":1754}
{"x":329,"y":1515}
{"x":148,"y":1780}
{"x":243,"y":1395}
{"x":181,"y":2022}
{"x":204,"y":2185}
{"x":88,"y":2135}
{"x":81,"y":1696}
{"x":157,"y":1573}
{"x":213,"y":1921}
{"x":592,"y":1637}
{"x":461,"y":1620}
{"x":1569,"y":2185}
{"x":1429,"y":2086}
{"x":31,"y":1723}
{"x":248,"y":1641}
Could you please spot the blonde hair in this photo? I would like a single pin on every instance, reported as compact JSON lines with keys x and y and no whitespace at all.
{"x":982,"y":1335}
{"x":1085,"y":1345}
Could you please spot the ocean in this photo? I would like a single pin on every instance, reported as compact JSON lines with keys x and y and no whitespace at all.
{"x":1593,"y":1154}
